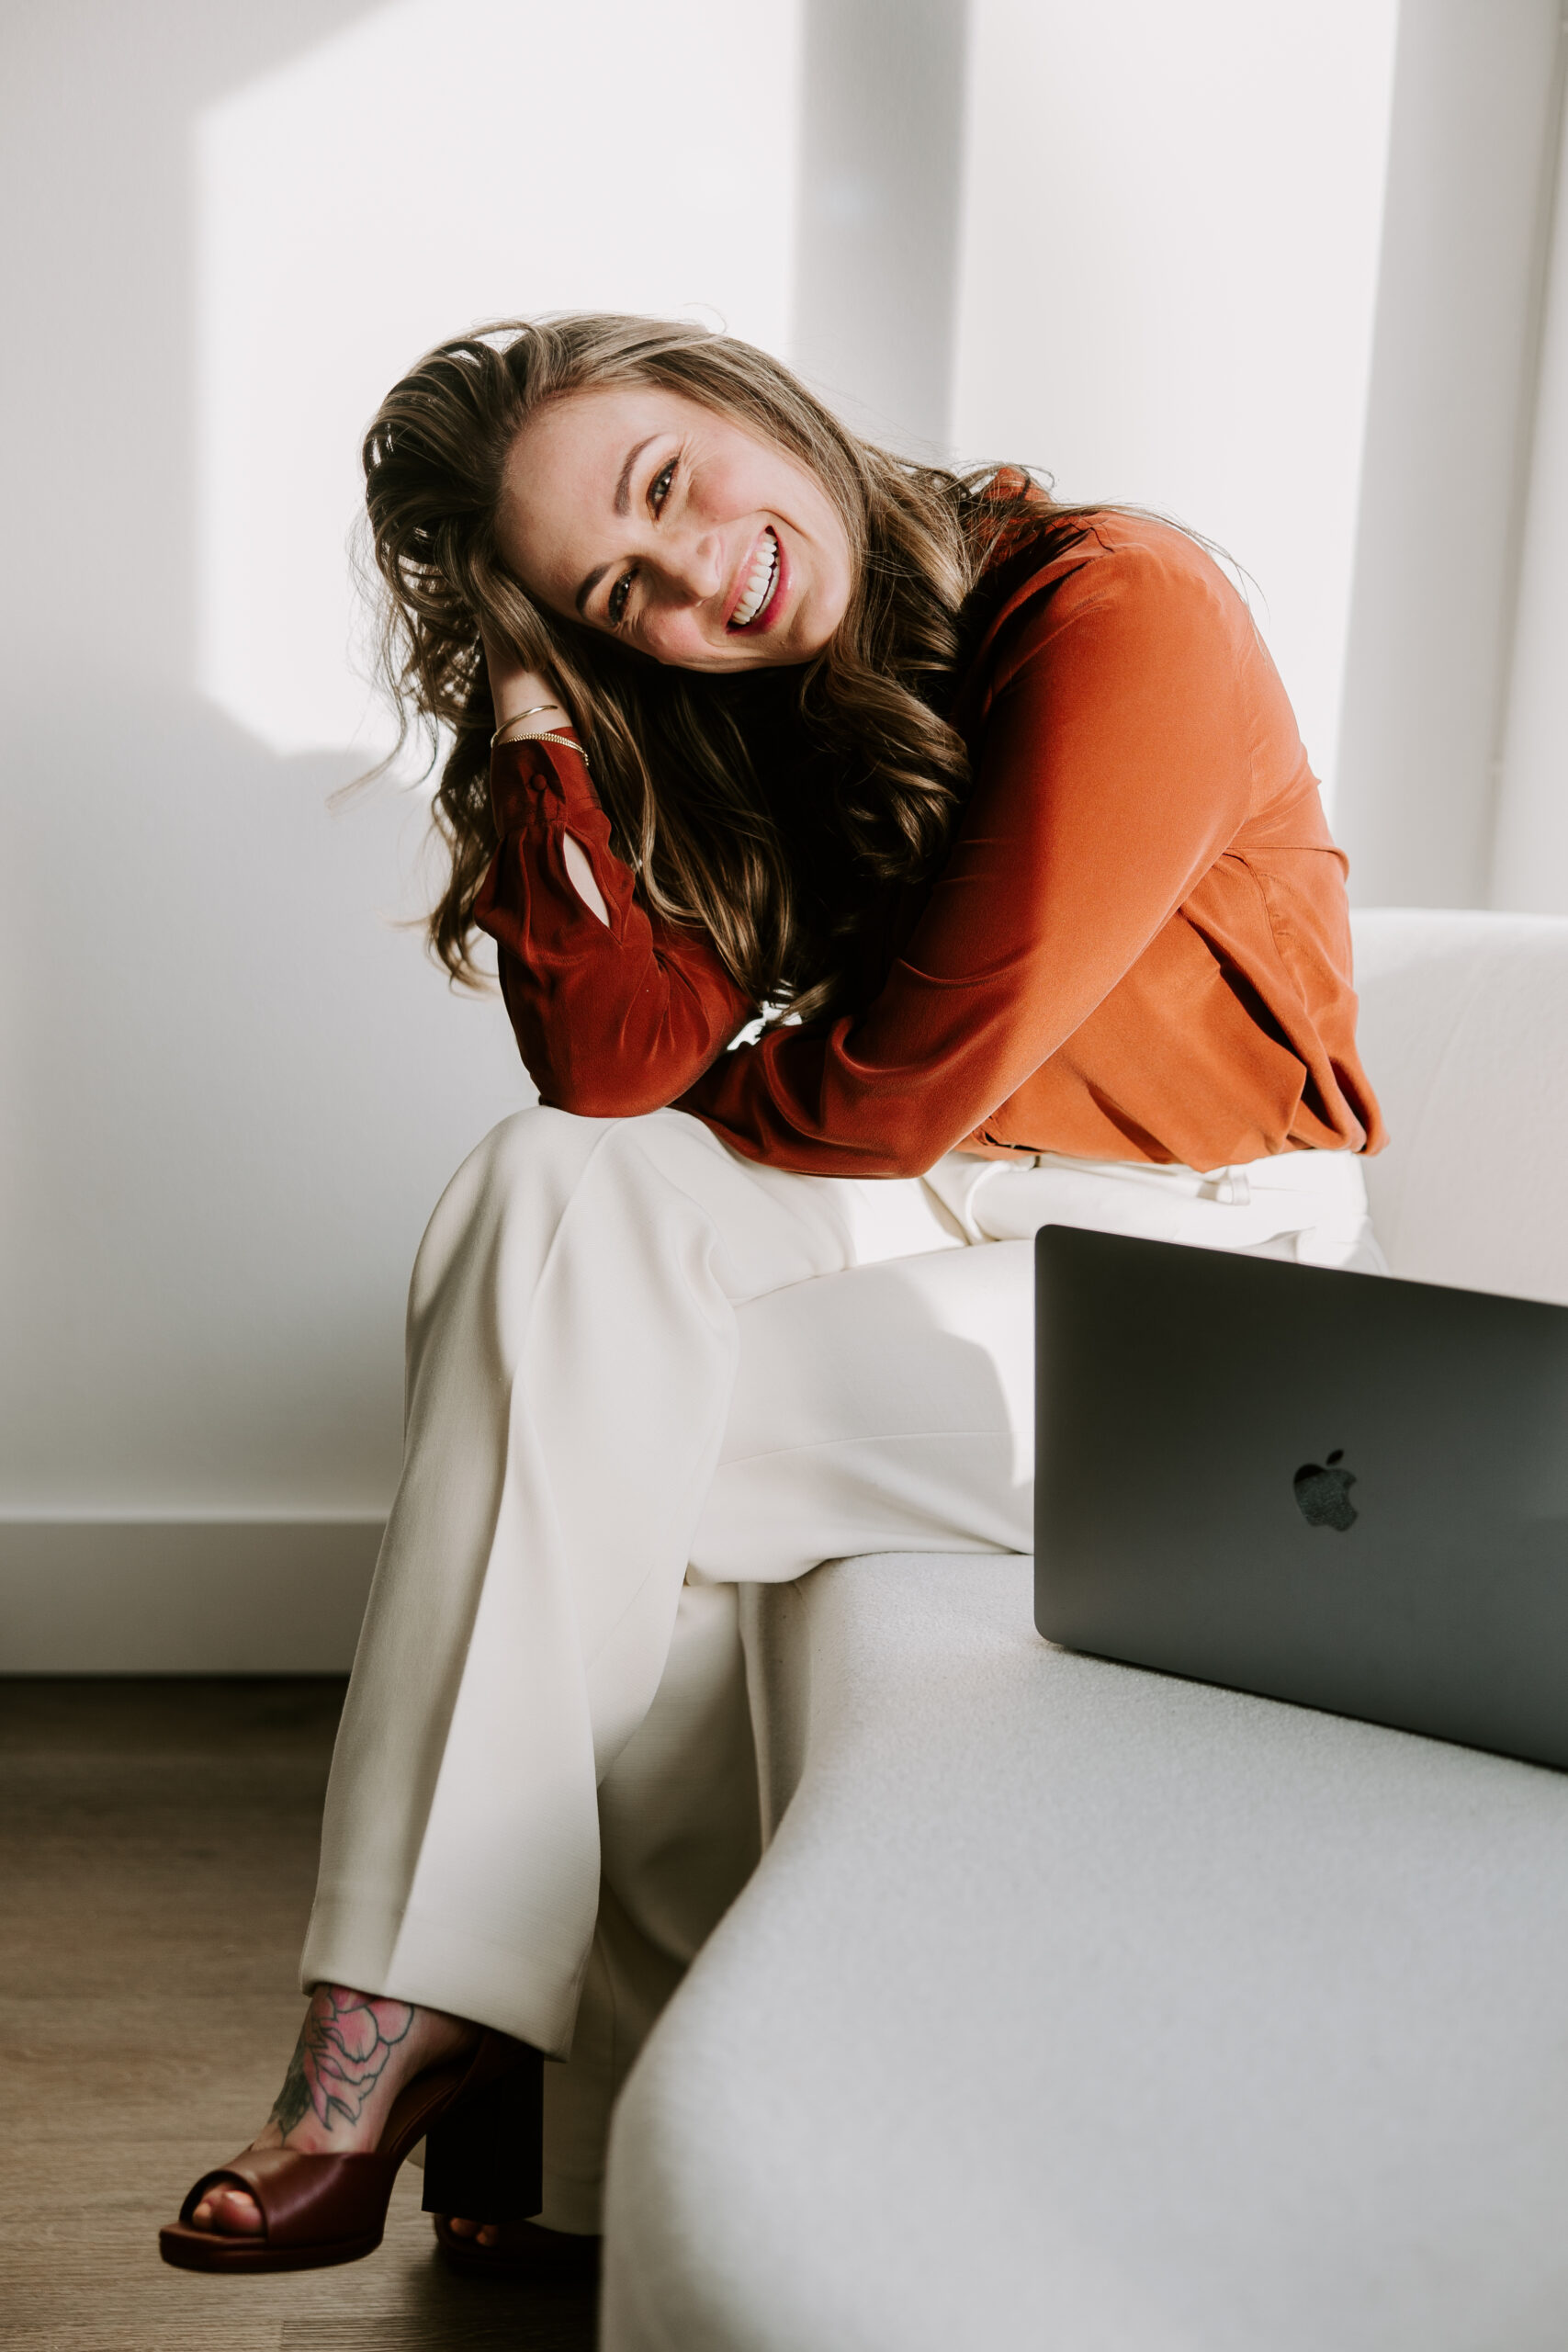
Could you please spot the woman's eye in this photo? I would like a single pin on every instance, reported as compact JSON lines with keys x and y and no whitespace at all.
{"x":616,"y":606}
{"x":659,"y":488}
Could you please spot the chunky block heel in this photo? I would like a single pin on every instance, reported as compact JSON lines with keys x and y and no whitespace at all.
{"x":485,"y":2158}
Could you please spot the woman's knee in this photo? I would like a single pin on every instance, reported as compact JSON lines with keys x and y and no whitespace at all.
{"x":533,"y":1154}
{"x":549,"y":1152}
{"x":533,"y":1162}
{"x":529,"y":1144}
{"x":542,"y":1171}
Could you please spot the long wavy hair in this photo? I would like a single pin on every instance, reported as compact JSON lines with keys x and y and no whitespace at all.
{"x":767,"y":808}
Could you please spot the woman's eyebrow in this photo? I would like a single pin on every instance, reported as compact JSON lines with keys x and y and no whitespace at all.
{"x":589,"y":585}
{"x":623,"y":506}
{"x":623,"y":488}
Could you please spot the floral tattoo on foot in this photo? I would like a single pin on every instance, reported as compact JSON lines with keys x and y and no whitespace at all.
{"x":343,"y":2049}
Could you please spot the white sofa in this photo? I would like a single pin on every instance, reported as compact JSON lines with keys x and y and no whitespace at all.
{"x":1075,"y":2006}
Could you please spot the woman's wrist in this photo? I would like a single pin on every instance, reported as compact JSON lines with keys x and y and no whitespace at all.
{"x":537,"y":719}
{"x":516,"y":692}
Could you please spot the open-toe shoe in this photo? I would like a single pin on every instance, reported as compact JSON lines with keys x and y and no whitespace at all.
{"x":478,"y":2117}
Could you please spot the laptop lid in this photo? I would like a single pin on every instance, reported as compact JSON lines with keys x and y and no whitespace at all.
{"x":1334,"y":1489}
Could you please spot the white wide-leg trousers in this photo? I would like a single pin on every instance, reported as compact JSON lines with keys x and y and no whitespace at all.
{"x":642,"y":1370}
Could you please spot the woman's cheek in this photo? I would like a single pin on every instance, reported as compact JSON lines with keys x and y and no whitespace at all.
{"x":681,"y":645}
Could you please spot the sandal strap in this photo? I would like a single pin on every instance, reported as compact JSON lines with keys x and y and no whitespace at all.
{"x":306,"y":2200}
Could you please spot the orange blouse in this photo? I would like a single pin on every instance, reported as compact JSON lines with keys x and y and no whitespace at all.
{"x":1137,"y":947}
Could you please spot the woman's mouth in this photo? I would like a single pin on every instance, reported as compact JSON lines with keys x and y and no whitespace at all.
{"x":761,"y":584}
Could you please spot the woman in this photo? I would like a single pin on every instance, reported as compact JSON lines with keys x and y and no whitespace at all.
{"x":997,"y":811}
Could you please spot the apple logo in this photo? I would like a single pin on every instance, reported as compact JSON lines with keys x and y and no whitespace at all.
{"x":1322,"y":1493}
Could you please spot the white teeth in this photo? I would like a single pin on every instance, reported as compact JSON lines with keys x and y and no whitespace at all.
{"x":759,"y":585}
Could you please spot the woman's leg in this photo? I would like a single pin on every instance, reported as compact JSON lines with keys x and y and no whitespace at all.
{"x":581,"y":1302}
{"x":1307,"y":1207}
{"x":576,"y":1326}
{"x":573,"y":1343}
{"x":887,"y":1406}
{"x":680,"y":1834}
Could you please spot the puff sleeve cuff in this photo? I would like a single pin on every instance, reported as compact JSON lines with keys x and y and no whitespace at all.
{"x":613,"y":1019}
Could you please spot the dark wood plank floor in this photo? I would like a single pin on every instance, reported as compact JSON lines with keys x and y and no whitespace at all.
{"x":157,"y":1850}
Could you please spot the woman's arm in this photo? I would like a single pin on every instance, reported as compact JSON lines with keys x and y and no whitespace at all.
{"x":526,"y":704}
{"x":1114,"y":768}
{"x":617,"y":1011}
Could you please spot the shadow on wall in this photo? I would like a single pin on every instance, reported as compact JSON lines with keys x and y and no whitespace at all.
{"x":238,"y":1092}
{"x":233,"y":1089}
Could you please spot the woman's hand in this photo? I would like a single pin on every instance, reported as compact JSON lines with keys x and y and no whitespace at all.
{"x":514,"y":688}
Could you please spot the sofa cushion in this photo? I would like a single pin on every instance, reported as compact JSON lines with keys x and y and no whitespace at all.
{"x":1076,"y":2006}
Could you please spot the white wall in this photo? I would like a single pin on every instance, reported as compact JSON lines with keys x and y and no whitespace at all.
{"x":880,"y":199}
{"x":1530,"y":861}
{"x":438,"y":163}
{"x":232,"y":1088}
{"x":1444,"y":478}
{"x":1168,"y":265}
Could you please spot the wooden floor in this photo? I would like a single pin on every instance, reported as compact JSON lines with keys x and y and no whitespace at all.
{"x":157,"y":1849}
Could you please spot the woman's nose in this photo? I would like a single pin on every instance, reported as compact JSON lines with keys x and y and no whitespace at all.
{"x":692,"y":567}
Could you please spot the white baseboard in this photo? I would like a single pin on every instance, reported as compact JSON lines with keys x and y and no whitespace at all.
{"x":183,"y":1596}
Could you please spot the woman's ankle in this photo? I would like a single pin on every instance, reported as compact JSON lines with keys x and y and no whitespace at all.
{"x":354,"y":2053}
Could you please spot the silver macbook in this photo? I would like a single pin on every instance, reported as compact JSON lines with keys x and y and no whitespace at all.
{"x":1334,"y":1489}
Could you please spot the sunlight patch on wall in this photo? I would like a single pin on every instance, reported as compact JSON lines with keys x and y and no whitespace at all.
{"x":441,"y":163}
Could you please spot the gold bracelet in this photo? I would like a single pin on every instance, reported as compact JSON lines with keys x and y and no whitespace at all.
{"x":567,"y":742}
{"x":548,"y":735}
{"x":532,"y":712}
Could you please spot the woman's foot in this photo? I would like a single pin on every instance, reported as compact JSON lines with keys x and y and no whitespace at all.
{"x":354,"y":2055}
{"x":509,"y":2235}
{"x":520,"y":2249}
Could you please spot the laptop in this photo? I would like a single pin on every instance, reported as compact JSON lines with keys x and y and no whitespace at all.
{"x":1334,"y":1489}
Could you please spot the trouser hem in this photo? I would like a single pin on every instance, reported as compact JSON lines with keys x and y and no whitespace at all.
{"x":435,"y":1963}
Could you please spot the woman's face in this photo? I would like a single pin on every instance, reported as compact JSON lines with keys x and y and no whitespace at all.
{"x":654,"y":519}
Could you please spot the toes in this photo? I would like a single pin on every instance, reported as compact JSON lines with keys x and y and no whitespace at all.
{"x":482,"y":2233}
{"x":229,"y":2211}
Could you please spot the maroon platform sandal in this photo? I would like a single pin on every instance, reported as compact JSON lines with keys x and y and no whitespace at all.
{"x":481,"y":2118}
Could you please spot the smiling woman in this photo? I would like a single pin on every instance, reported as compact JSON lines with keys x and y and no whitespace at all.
{"x":635,"y":517}
{"x":706,"y":548}
{"x":1005,"y":802}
